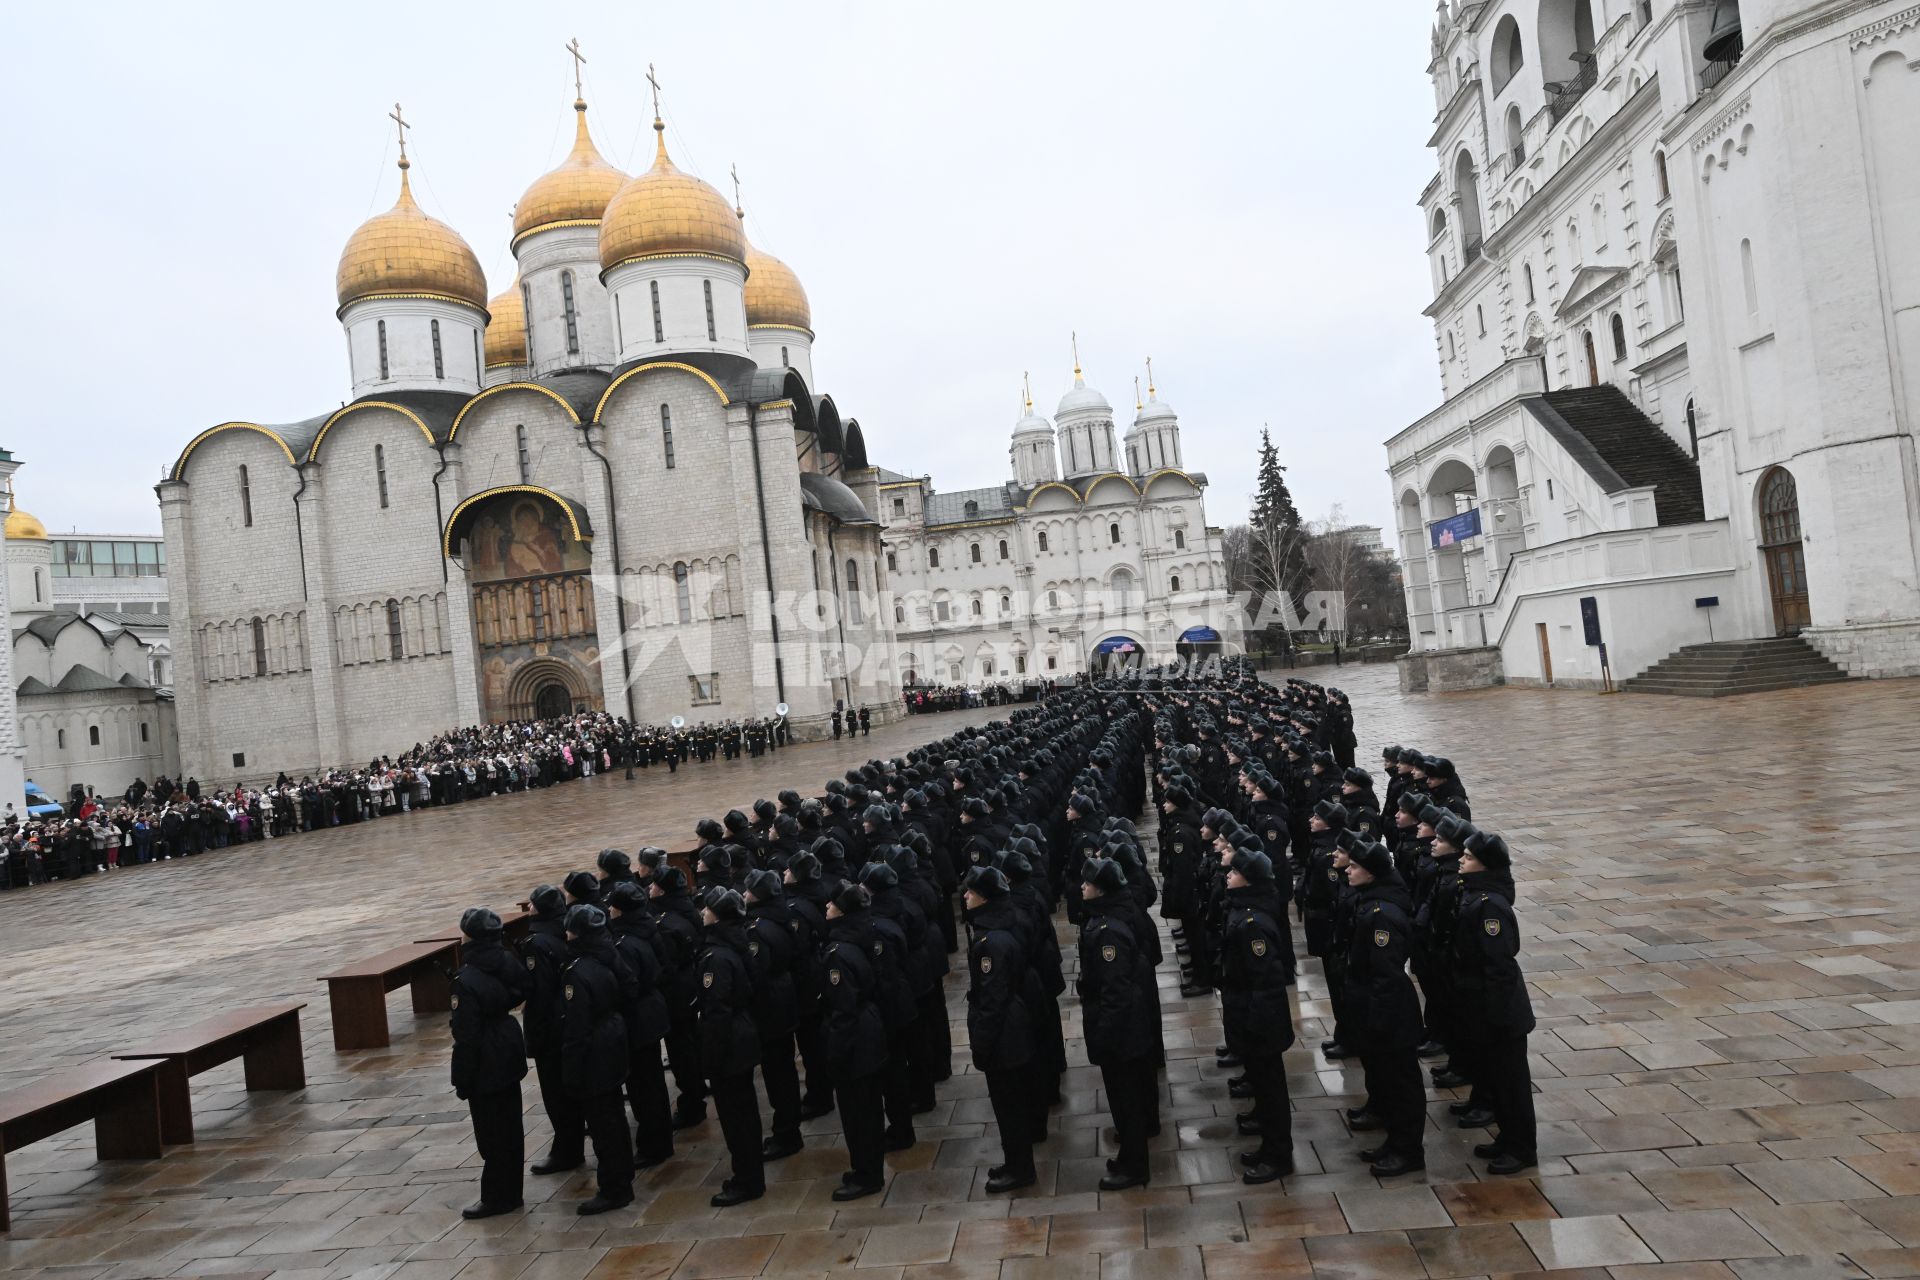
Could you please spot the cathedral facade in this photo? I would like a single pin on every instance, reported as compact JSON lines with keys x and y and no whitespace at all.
{"x":611,"y":487}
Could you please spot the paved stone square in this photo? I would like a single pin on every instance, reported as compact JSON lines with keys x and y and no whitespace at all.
{"x":1720,"y":929}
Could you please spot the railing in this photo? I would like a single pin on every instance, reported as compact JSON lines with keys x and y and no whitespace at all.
{"x":1566,"y":93}
{"x":1719,"y":69}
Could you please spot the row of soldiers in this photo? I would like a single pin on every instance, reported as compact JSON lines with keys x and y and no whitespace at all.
{"x":814,"y":936}
{"x":1244,"y":778}
{"x":674,"y":746}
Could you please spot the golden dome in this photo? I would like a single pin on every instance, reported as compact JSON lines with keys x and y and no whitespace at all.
{"x":22,"y":527}
{"x":774,"y":294}
{"x":507,"y":328}
{"x":577,"y":192}
{"x":404,"y":251}
{"x":666,"y":211}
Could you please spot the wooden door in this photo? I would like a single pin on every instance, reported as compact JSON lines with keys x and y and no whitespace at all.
{"x":1783,"y":552}
{"x":1546,"y":653}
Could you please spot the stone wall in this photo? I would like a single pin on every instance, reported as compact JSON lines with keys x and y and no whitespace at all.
{"x":1450,"y":670}
{"x":1874,"y":649}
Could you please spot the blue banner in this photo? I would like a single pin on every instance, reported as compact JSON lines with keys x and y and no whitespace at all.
{"x":1199,"y":635}
{"x":1455,"y":528}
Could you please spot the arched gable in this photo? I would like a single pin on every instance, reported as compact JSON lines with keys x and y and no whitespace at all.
{"x":313,"y":454}
{"x":1111,"y":488}
{"x":504,"y":387}
{"x":1170,"y":483}
{"x":606,"y":397}
{"x":1053,"y":496}
{"x":180,"y":466}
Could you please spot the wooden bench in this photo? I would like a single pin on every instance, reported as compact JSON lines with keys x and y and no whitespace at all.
{"x":514,"y":927}
{"x":121,"y":1098}
{"x":266,"y":1036}
{"x":358,"y":993}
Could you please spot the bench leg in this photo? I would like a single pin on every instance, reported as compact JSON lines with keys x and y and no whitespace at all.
{"x":128,"y":1127}
{"x":176,"y":1102}
{"x":359,"y":1013}
{"x":432,"y":990}
{"x":274,"y":1060}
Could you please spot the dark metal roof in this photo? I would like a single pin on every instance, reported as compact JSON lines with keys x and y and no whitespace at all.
{"x":824,"y":493}
{"x":989,"y":504}
{"x":580,"y":388}
{"x":34,"y":684}
{"x":855,"y":457}
{"x":81,"y":679}
{"x":469,"y":510}
{"x":437,"y":409}
{"x":734,"y":373}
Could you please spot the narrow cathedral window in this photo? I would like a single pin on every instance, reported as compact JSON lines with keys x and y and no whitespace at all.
{"x":974,"y":552}
{"x":1113,"y":533}
{"x":682,"y":593}
{"x":246,"y":500}
{"x":1043,"y":541}
{"x":382,"y":329}
{"x":526,"y":459}
{"x":93,"y":735}
{"x":712,"y":334}
{"x":784,"y":362}
{"x":1179,"y":539}
{"x":439,"y":361}
{"x":893,"y":563}
{"x":619,"y":325}
{"x":1175,"y":584}
{"x":659,"y":330}
{"x":380,"y":472}
{"x":479,"y":369}
{"x":259,"y":647}
{"x":1003,"y":548}
{"x":396,"y":650}
{"x":666,"y":434}
{"x":526,"y":309}
{"x":853,"y":594}
{"x":1619,"y":337}
{"x":933,"y":557}
{"x":566,"y":308}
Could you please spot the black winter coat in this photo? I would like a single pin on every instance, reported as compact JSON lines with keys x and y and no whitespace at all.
{"x":998,"y":1023}
{"x":1117,"y":1005}
{"x":593,"y":1054}
{"x":544,"y":952}
{"x":489,"y":1053}
{"x":1491,"y":992}
{"x":636,"y":938}
{"x":773,"y":936}
{"x":855,"y":1032}
{"x":1256,"y":963}
{"x":1380,"y":996}
{"x":729,"y":1037}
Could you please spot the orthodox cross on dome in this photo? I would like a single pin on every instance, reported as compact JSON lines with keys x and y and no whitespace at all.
{"x":734,"y":171}
{"x":1076,"y":354}
{"x":1026,"y":383}
{"x":654,"y":80}
{"x":1137,"y":406}
{"x":579,"y":62}
{"x":400,"y":121}
{"x":1150,"y":390}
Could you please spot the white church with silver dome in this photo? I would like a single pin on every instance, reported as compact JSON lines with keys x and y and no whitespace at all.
{"x":615,"y":486}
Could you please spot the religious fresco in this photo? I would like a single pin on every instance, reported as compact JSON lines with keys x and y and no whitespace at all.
{"x":517,"y":536}
{"x":512,"y":677}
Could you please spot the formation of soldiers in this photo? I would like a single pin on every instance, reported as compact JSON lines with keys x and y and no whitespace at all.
{"x":809,"y":943}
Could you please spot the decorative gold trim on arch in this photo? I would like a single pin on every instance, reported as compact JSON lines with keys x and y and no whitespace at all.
{"x":795,"y":328}
{"x":341,"y":310}
{"x":565,"y":505}
{"x":454,"y":432}
{"x":701,"y":374}
{"x":180,"y":466}
{"x":1053,"y":484}
{"x":1105,"y":476}
{"x":1167,"y":471}
{"x":555,"y":225}
{"x":313,"y":454}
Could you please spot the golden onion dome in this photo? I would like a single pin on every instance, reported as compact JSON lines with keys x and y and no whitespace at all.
{"x":507,"y":328}
{"x":22,"y":527}
{"x":576,"y":193}
{"x":403,"y":251}
{"x":666,"y":211}
{"x":774,"y":294}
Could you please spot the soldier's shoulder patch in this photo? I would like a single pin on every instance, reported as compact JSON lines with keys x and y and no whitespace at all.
{"x":1381,"y":937}
{"x":1492,"y":927}
{"x":833,"y":976}
{"x":753,"y":948}
{"x":531,"y":963}
{"x":1109,"y":954}
{"x":1259,"y":946}
{"x":569,"y":991}
{"x":879,"y":948}
{"x":1333,"y":873}
{"x":986,"y":964}
{"x":706,"y":979}
{"x":456,"y":1000}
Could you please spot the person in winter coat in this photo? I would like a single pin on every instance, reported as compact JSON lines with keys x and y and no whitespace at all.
{"x":1495,"y":1013}
{"x":636,"y":939}
{"x":1385,"y":1012}
{"x":1256,"y":966}
{"x":679,"y":918}
{"x":998,"y":1025}
{"x":731,"y":976}
{"x":594,"y":1052}
{"x":808,"y":894}
{"x":490,"y":1059}
{"x":1120,"y":1017}
{"x":784,"y":945}
{"x":854,"y":1041}
{"x":544,"y":952}
{"x":926,"y":964}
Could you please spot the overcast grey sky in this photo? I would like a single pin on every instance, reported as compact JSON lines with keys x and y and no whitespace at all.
{"x":1225,"y":187}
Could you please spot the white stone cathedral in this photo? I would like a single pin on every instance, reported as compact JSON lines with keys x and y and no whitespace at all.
{"x":614,"y":486}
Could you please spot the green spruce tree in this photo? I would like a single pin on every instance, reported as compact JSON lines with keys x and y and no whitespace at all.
{"x":1278,"y":540}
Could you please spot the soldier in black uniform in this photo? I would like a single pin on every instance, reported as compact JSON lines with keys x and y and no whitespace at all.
{"x":639,"y":945}
{"x":808,"y":896}
{"x":1495,"y":1013}
{"x":785,"y":949}
{"x":998,"y":1024}
{"x":1117,"y":1006}
{"x":855,"y":1042}
{"x":836,"y":723}
{"x":1384,"y":1012}
{"x":490,"y":1059}
{"x":679,"y":921}
{"x":730,"y":980}
{"x":545,"y":954}
{"x":1256,"y":964}
{"x":866,"y":722}
{"x":594,"y":1053}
